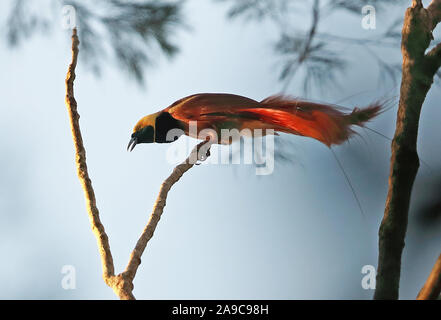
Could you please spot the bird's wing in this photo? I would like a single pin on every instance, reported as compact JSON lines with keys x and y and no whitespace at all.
{"x":211,"y":107}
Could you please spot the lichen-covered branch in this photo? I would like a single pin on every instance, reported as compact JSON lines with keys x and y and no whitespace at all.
{"x":432,"y":288}
{"x":417,"y":77}
{"x":122,"y":284}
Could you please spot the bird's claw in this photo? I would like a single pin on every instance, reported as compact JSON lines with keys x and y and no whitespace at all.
{"x":202,"y":157}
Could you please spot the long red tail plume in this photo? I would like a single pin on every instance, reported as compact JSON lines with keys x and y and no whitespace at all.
{"x":325,"y":123}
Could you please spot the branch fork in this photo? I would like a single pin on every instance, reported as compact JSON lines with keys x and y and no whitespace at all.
{"x":122,"y":283}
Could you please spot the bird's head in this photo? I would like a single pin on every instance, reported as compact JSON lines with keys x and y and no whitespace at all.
{"x":153,"y":128}
{"x":144,"y":131}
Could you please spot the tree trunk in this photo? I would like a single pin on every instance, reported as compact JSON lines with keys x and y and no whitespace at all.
{"x":417,"y":77}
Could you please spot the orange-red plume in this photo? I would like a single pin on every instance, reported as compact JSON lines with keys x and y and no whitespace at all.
{"x":325,"y":123}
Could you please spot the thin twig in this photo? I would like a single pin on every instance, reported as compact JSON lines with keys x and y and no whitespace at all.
{"x":307,"y":47}
{"x":158,"y":208}
{"x":122,"y":284}
{"x":432,"y":288}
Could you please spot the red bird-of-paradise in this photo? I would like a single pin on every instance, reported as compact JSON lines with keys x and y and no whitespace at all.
{"x":326,"y":123}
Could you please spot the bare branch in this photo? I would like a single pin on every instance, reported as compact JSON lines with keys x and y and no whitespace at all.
{"x":432,"y":288}
{"x":158,"y":208}
{"x":83,"y":175}
{"x":122,"y":284}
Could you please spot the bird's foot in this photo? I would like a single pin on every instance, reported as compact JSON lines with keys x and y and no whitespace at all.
{"x":203,"y":152}
{"x":202,"y":156}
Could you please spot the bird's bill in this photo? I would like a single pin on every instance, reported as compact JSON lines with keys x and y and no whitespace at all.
{"x":132,"y":144}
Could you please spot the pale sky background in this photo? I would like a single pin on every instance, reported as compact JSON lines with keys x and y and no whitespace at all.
{"x":225,"y":232}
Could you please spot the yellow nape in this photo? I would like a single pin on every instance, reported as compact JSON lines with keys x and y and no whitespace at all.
{"x":146,"y":121}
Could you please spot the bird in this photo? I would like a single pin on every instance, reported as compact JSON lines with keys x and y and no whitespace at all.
{"x":326,"y":123}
